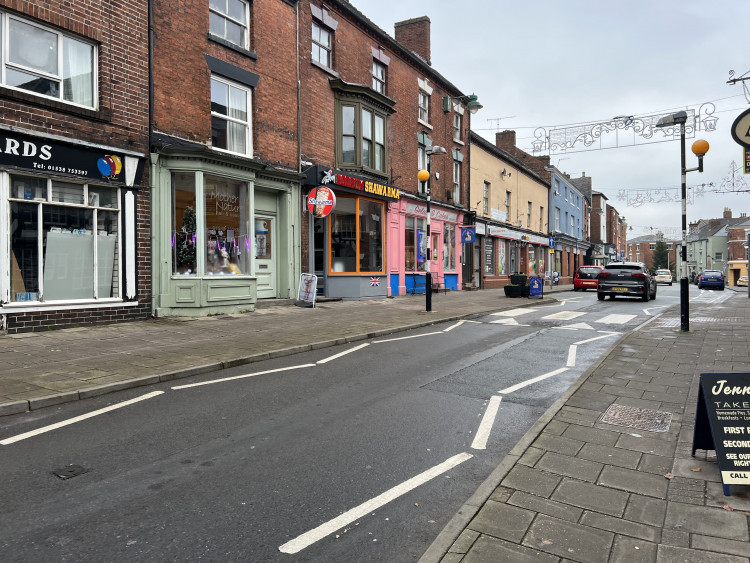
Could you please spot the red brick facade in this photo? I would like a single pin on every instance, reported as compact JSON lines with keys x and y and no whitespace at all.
{"x":120,"y":121}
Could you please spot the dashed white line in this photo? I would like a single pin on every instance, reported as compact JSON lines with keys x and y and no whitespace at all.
{"x":564,"y":316}
{"x":344,"y":353}
{"x":57,"y":425}
{"x":485,"y":427}
{"x":450,"y":328}
{"x":308,"y":538}
{"x":224,"y":379}
{"x":572,"y":356}
{"x":528,"y":382}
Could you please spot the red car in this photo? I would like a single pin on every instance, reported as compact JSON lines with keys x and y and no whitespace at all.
{"x":586,"y":278}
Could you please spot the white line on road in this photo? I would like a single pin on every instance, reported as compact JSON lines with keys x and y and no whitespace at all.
{"x":406,"y":337}
{"x":572,"y":356}
{"x":512,"y":312}
{"x":57,"y":425}
{"x":523,"y":384}
{"x":595,"y":338}
{"x":450,"y":328}
{"x":483,"y":432}
{"x":563,"y":316}
{"x":344,"y":353}
{"x":308,"y":538}
{"x":615,"y":319}
{"x":223,"y":379}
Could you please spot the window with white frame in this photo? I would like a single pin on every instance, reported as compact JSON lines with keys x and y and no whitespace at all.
{"x":541,"y":218}
{"x":557,"y":218}
{"x":456,"y":126}
{"x":230,"y":115}
{"x":44,"y":61}
{"x":378,"y":77}
{"x":421,"y":164}
{"x":507,"y":206}
{"x":718,"y":256}
{"x":486,"y":198}
{"x":572,"y":225}
{"x":230,"y":20}
{"x":652,"y":246}
{"x":528,"y":215}
{"x":322,"y":45}
{"x":424,"y":106}
{"x":456,"y":181}
{"x":64,"y":239}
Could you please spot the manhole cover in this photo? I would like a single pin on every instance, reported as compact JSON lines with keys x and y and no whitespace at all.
{"x":633,"y":417}
{"x":69,"y":471}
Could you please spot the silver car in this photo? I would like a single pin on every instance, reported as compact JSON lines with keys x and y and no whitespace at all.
{"x":627,"y":279}
{"x":663,"y":276}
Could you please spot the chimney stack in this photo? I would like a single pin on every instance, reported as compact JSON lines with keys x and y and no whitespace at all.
{"x":505,"y":140}
{"x":414,"y":34}
{"x":727,"y":213}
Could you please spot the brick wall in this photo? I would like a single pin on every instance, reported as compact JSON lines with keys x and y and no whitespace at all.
{"x":121,"y":121}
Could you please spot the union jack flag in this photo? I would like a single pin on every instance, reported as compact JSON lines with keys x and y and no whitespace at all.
{"x":374,"y":282}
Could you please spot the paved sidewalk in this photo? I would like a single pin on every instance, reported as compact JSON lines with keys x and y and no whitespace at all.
{"x":577,"y":489}
{"x":41,"y":369}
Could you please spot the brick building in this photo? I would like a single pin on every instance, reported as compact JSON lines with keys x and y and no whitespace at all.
{"x":641,"y":249}
{"x":225,"y":155}
{"x":74,"y":122}
{"x":737,"y":250}
{"x":372,"y":108}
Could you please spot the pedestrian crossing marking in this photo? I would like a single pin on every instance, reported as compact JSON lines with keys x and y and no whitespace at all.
{"x":616,"y":319}
{"x":508,"y":322}
{"x":564,"y":315}
{"x":512,"y":312}
{"x":577,"y":326}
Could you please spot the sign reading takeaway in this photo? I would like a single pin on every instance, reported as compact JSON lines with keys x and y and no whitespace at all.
{"x":722,"y":423}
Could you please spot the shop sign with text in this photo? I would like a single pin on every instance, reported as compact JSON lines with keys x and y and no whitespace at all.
{"x":367,"y":186}
{"x":420,"y":210}
{"x":321,"y":201}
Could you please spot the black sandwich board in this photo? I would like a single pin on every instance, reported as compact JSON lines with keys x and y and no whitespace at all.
{"x":722,"y":423}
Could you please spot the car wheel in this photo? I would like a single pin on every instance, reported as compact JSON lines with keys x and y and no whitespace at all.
{"x":646,"y":295}
{"x":600,"y":296}
{"x":670,"y":283}
{"x":722,"y":288}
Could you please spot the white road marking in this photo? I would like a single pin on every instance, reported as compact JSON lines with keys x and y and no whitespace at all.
{"x":564,"y":316}
{"x":57,"y":425}
{"x":509,"y":322}
{"x":528,"y":382}
{"x":344,"y":353}
{"x":572,"y":356}
{"x":308,"y":538}
{"x":583,"y":326}
{"x":512,"y":312}
{"x":485,"y":427}
{"x":616,"y":319}
{"x":406,"y":337}
{"x":648,"y":311}
{"x":450,"y":328}
{"x":564,"y":328}
{"x":607,"y":335}
{"x":223,"y":379}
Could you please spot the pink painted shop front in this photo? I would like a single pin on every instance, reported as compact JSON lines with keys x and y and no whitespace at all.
{"x":407,"y":243}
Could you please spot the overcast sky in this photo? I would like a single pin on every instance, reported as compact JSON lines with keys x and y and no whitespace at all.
{"x":555,"y":63}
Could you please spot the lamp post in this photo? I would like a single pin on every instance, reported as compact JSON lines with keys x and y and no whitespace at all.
{"x":425,"y":176}
{"x":700,"y":148}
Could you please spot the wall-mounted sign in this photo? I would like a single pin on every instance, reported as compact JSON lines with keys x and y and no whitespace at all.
{"x":722,"y":423}
{"x":468,"y":235}
{"x":367,"y":186}
{"x":321,"y":201}
{"x":741,"y":129}
{"x":40,"y":154}
{"x":420,"y":210}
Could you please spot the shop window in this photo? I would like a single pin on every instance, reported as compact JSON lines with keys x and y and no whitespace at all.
{"x":230,"y":20}
{"x":230,"y":111}
{"x":415,"y":244}
{"x":356,"y":234}
{"x":449,"y":247}
{"x":64,"y":240}
{"x":221,"y":229}
{"x":489,"y":256}
{"x":502,"y":269}
{"x":44,"y":61}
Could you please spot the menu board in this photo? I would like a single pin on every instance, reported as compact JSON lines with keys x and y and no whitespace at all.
{"x":722,"y":423}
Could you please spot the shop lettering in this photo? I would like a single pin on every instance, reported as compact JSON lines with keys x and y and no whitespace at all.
{"x":738,"y":475}
{"x":380,"y":189}
{"x":721,"y":387}
{"x":362,"y":185}
{"x":27,"y":149}
{"x":734,"y":405}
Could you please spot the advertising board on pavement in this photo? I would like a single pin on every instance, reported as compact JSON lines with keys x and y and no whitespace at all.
{"x":722,"y":423}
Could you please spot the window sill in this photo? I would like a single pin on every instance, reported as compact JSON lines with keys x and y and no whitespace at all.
{"x":458,"y":142}
{"x":424,"y":124}
{"x":103,"y":115}
{"x":233,"y":46}
{"x":324,"y":68}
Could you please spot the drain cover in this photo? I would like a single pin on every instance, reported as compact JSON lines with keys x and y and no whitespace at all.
{"x":633,"y":417}
{"x":69,"y":471}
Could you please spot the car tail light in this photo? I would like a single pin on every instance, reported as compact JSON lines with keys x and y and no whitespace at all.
{"x":639,"y":275}
{"x":604,"y":274}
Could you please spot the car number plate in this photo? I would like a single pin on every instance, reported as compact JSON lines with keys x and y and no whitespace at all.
{"x":619,"y":289}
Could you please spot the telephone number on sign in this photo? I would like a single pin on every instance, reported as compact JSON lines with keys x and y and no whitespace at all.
{"x":64,"y":169}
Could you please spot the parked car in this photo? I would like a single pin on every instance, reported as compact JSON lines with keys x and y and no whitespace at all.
{"x":742,"y":281}
{"x":628,"y":279}
{"x":711,"y":278}
{"x":586,"y":278}
{"x":663,"y":276}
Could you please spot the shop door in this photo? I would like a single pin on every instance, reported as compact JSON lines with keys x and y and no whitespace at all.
{"x":477,"y":263}
{"x":265,"y":256}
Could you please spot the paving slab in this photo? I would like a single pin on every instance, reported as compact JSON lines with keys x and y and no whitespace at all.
{"x":632,"y":550}
{"x":569,"y":540}
{"x":634,"y":481}
{"x":590,"y":496}
{"x":502,"y":521}
{"x":707,"y":521}
{"x":671,"y":554}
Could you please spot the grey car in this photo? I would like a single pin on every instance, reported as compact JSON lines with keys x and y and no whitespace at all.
{"x":627,"y":279}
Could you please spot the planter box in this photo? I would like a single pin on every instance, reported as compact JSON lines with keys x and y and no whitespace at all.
{"x":518,"y":279}
{"x":513,"y":290}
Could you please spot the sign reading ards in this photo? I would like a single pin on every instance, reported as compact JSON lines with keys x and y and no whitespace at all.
{"x":722,"y":423}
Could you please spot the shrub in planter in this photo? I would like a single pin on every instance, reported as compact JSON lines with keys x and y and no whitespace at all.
{"x":512,"y":290}
{"x":518,"y":279}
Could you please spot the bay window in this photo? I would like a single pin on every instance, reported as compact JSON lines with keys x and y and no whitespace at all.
{"x":361,"y":131}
